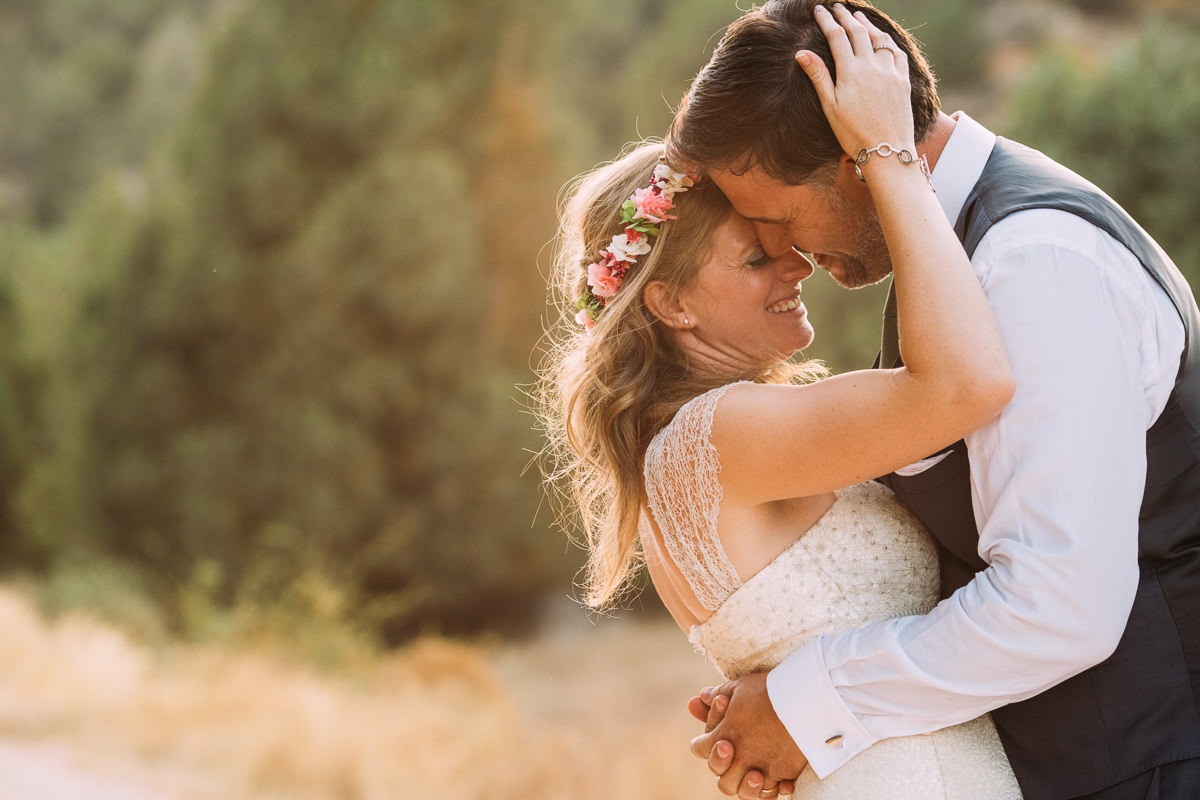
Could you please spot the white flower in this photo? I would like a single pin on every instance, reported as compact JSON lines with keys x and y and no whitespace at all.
{"x":671,"y":181}
{"x":625,"y":250}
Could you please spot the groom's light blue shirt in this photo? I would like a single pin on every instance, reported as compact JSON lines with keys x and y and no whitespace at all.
{"x":1056,"y":479}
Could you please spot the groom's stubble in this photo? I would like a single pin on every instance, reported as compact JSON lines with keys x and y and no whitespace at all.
{"x":866,"y":259}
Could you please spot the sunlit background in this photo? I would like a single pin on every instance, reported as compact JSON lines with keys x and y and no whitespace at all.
{"x":271,"y":291}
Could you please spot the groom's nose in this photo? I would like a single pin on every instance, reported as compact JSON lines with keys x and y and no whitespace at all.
{"x":795,"y":266}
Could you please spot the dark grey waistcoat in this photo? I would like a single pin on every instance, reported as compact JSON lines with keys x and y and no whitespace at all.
{"x":1140,"y":708}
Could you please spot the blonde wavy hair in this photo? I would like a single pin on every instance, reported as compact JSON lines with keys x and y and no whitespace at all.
{"x":601,"y":397}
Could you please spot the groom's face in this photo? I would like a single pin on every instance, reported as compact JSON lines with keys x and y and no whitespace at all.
{"x":833,"y":221}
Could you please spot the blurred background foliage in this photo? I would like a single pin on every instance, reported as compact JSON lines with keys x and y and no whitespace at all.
{"x":271,"y":277}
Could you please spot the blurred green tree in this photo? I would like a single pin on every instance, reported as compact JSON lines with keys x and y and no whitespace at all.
{"x":291,"y":370}
{"x":22,"y":379}
{"x":88,"y":85}
{"x":1129,"y":125}
{"x":1105,"y":6}
{"x":952,"y":34}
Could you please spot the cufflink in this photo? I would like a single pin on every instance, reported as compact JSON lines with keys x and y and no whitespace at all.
{"x":835,"y":740}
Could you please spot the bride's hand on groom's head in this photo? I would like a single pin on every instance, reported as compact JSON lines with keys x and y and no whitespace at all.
{"x":871,"y":101}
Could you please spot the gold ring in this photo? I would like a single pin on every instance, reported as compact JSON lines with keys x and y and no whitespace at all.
{"x":878,"y":47}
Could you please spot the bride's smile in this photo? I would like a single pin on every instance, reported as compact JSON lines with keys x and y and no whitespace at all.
{"x":745,"y":306}
{"x":789,"y":304}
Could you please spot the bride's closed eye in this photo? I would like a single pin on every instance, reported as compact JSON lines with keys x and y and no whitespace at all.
{"x":757,"y":260}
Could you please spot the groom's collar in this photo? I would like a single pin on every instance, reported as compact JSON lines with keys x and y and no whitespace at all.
{"x":961,"y":163}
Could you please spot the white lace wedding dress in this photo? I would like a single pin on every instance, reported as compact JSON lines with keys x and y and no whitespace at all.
{"x":867,"y":559}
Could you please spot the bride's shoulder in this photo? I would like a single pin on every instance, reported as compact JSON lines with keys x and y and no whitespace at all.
{"x":710,"y":399}
{"x":696,"y":415}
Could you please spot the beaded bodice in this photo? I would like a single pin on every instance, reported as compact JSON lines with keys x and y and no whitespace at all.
{"x":865,"y":560}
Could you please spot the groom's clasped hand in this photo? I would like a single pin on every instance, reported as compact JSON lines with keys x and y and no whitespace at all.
{"x":768,"y":759}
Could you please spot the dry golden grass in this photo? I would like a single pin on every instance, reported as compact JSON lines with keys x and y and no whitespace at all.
{"x":588,"y":712}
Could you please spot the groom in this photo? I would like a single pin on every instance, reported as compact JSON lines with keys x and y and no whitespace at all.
{"x":1069,"y":527}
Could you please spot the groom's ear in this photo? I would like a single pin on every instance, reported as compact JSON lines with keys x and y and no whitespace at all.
{"x":664,"y":304}
{"x":846,"y":172}
{"x":848,"y":182}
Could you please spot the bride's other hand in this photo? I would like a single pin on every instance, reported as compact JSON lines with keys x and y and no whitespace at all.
{"x":870,"y":102}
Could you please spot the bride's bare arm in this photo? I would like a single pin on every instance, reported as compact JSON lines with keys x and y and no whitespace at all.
{"x":787,"y":441}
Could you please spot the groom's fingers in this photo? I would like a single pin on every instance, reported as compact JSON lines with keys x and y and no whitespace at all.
{"x":769,"y":792}
{"x":738,"y":780}
{"x":717,"y":752}
{"x":716,"y":712}
{"x":703,"y":746}
{"x":754,"y":786}
{"x":709,"y":692}
{"x":721,"y":758}
{"x":710,"y":713}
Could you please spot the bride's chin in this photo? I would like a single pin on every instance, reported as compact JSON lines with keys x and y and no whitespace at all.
{"x":804,"y":339}
{"x":793,"y":348}
{"x":807,"y":336}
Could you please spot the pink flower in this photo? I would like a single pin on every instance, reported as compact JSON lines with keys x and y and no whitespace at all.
{"x":652,"y":205}
{"x":602,"y":281}
{"x":585,"y":319}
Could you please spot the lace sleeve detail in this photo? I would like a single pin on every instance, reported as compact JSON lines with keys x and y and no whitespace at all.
{"x":684,"y":495}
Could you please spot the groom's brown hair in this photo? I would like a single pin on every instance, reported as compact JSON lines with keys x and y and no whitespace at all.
{"x":752,"y":105}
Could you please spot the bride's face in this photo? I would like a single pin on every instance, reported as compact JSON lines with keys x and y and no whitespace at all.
{"x":744,"y":307}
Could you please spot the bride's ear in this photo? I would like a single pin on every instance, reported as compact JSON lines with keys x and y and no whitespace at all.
{"x":664,"y":304}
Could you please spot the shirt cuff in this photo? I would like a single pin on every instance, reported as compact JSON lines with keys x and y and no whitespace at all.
{"x":813,"y":713}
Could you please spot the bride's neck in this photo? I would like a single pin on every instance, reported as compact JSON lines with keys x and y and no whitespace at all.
{"x":724,"y":362}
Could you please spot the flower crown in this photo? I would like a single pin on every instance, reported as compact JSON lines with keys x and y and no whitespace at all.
{"x":641,"y":214}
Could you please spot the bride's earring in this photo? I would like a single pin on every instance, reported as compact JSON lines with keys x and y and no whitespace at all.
{"x":687,"y":323}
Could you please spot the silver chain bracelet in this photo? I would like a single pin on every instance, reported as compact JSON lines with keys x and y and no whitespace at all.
{"x":883,"y":150}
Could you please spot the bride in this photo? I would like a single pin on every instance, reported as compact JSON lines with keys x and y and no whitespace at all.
{"x":683,"y":434}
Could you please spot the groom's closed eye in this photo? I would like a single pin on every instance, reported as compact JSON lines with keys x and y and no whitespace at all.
{"x":766,"y":221}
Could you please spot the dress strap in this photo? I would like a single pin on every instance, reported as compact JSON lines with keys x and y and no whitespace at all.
{"x":684,"y":497}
